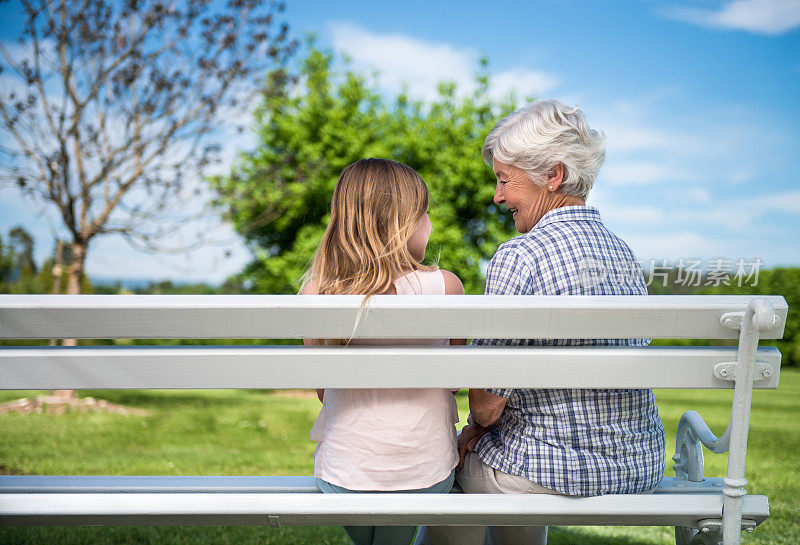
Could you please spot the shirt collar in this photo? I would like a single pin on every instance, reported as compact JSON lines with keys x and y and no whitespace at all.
{"x":569,"y":213}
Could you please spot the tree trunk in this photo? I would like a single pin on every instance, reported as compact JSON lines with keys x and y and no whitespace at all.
{"x":75,"y":276}
{"x":58,"y":270}
{"x":74,"y":280}
{"x":63,"y":400}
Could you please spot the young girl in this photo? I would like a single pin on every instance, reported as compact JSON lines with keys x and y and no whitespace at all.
{"x":382,"y":440}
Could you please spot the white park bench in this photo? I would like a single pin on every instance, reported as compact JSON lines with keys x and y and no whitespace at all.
{"x":703,"y":510}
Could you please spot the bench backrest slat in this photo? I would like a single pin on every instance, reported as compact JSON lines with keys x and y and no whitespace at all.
{"x":333,"y":316}
{"x":369,"y":367}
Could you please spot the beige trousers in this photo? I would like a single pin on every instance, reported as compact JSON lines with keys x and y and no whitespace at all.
{"x":479,"y":478}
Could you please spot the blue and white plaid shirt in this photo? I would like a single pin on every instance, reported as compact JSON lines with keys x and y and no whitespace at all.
{"x":579,"y":442}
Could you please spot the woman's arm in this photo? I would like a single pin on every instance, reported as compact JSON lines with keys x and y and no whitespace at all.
{"x":311,"y":289}
{"x":453,"y":286}
{"x":509,"y":273}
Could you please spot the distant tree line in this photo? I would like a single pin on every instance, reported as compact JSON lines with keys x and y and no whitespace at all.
{"x":19,"y":272}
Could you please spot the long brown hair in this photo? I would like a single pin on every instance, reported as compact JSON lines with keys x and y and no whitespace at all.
{"x":374,"y":210}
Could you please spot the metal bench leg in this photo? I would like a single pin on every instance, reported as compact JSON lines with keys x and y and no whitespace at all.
{"x":758,"y":316}
{"x":692,"y":431}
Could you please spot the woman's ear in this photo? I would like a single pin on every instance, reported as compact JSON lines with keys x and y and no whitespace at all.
{"x":555,"y":177}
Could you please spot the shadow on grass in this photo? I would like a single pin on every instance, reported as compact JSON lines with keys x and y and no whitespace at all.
{"x":175,"y":535}
{"x":577,"y":536}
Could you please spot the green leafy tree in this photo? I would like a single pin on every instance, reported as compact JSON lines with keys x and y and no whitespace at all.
{"x":17,"y":266}
{"x":6,"y":264}
{"x":278,"y":195}
{"x":22,"y":243}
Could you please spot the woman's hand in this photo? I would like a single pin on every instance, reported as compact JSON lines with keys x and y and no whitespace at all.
{"x":484,"y":407}
{"x":467,"y":440}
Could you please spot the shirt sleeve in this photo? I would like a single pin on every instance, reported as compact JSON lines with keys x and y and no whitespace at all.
{"x":507,"y":275}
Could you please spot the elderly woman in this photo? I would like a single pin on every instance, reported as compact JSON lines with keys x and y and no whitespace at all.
{"x":581,"y":442}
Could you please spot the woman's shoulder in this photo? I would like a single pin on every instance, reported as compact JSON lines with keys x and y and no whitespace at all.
{"x":524,"y":248}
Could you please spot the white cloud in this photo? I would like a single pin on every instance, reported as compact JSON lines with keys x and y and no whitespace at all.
{"x":523,"y":82}
{"x":724,"y":217}
{"x":698,"y":195}
{"x":770,"y":17}
{"x":637,"y":125}
{"x":629,"y":138}
{"x":641,"y":172}
{"x":673,"y":245}
{"x":631,"y":214}
{"x":421,"y":65}
{"x":744,"y":214}
{"x":111,"y":258}
{"x":656,"y":141}
{"x":788,"y":202}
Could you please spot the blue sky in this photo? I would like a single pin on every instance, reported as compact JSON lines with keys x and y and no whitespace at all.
{"x":699,"y":101}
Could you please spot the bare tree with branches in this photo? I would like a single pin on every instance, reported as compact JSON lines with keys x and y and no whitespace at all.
{"x":108,"y":109}
{"x":112,"y":105}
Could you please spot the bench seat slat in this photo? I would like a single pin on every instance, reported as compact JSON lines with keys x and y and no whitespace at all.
{"x":73,"y":484}
{"x":79,"y":484}
{"x":333,"y":316}
{"x":372,"y":509}
{"x":80,"y":368}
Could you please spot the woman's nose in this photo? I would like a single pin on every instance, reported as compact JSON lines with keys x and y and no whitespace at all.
{"x":498,"y":194}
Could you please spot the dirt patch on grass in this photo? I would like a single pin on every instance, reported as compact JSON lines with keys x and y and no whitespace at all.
{"x":303,"y":394}
{"x":60,"y":405}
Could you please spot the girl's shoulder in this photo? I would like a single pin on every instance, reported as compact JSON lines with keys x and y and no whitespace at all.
{"x":452,"y":283}
{"x":310,"y":288}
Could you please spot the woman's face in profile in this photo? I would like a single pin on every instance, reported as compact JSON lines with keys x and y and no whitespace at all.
{"x":523,"y":198}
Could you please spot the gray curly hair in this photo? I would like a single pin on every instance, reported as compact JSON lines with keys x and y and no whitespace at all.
{"x":542,"y":134}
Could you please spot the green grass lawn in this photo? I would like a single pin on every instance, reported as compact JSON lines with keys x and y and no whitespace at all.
{"x":254,"y":432}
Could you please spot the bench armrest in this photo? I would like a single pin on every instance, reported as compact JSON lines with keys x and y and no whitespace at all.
{"x":692,"y":433}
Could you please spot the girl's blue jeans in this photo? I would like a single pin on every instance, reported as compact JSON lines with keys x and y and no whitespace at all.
{"x":385,"y":535}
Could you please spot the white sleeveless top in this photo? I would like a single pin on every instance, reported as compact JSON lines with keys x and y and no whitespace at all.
{"x":389,"y":439}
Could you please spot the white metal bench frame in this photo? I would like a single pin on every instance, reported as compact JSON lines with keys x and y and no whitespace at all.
{"x":703,"y":514}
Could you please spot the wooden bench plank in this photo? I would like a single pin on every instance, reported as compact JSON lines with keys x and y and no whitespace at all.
{"x":31,"y":368}
{"x":373,"y":509}
{"x":333,"y":316}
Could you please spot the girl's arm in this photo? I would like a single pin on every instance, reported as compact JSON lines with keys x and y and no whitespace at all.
{"x":453,"y":286}
{"x":311,"y":289}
